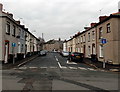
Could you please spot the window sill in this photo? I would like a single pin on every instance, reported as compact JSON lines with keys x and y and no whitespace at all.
{"x":8,"y":33}
{"x":101,"y":57}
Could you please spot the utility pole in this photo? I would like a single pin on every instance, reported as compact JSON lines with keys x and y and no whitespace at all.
{"x":119,"y":6}
{"x":42,"y":36}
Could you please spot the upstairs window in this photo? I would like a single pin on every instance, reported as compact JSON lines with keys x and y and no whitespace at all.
{"x":88,"y":37}
{"x":8,"y":28}
{"x":13,"y":30}
{"x":93,"y":35}
{"x":84,"y":39}
{"x":22,"y":33}
{"x":100,"y":32}
{"x":108,"y":28}
{"x":81,"y":38}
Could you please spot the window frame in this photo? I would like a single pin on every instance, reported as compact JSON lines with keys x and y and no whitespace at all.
{"x":8,"y":28}
{"x":89,"y":37}
{"x":100,"y":32}
{"x":14,"y":30}
{"x":108,"y":28}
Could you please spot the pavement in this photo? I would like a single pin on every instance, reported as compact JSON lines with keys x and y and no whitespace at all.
{"x":99,"y":65}
{"x":18,"y":63}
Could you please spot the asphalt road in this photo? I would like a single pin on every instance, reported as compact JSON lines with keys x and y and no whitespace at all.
{"x":53,"y":73}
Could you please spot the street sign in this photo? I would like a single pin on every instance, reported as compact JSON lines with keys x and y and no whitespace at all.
{"x":103,"y":41}
{"x":13,"y":44}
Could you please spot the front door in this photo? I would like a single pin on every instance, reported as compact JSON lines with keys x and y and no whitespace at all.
{"x":6,"y":51}
{"x":84,"y":51}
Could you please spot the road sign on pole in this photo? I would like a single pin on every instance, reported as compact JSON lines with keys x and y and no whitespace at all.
{"x":13,"y":44}
{"x":13,"y":48}
{"x":103,"y":41}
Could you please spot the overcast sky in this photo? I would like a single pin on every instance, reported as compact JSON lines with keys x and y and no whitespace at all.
{"x":58,"y":18}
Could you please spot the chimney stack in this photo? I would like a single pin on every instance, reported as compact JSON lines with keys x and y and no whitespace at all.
{"x":86,"y":28}
{"x":10,"y":14}
{"x":93,"y":24}
{"x":18,"y":22}
{"x":102,"y":18}
{"x":119,"y":6}
{"x":1,"y":7}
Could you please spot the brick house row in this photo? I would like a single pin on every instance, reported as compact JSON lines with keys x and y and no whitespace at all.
{"x":53,"y":45}
{"x":90,"y":41}
{"x":15,"y":40}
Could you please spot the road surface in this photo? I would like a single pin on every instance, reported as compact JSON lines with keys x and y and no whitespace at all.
{"x":52,"y":73}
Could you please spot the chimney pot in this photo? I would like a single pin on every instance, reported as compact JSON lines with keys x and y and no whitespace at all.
{"x":11,"y":15}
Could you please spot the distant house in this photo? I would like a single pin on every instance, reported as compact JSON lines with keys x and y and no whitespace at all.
{"x":53,"y":45}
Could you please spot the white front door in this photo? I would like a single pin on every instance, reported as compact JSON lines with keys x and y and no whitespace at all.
{"x":6,"y":52}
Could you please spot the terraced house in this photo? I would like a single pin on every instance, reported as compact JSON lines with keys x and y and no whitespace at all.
{"x":16,"y":42}
{"x":101,"y":39}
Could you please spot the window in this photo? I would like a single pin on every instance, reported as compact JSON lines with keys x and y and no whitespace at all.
{"x":13,"y":30}
{"x":108,"y":28}
{"x":22,"y":47}
{"x":101,"y":50}
{"x":89,"y":52}
{"x":100,"y":32}
{"x":93,"y":35}
{"x":81,"y":50}
{"x":19,"y":32}
{"x":81,"y":38}
{"x":18,"y":47}
{"x":78,"y":40}
{"x":8,"y":28}
{"x":76,"y":49}
{"x":88,"y":37}
{"x":22,"y":33}
{"x":84,"y":38}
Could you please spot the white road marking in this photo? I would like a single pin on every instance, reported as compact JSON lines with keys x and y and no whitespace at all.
{"x":22,"y":67}
{"x":68,"y":62}
{"x":61,"y":66}
{"x":53,"y":67}
{"x":33,"y":67}
{"x":64,"y":67}
{"x":56,"y":59}
{"x":91,"y":69}
{"x":43,"y":67}
{"x":82,"y":68}
{"x":15,"y":68}
{"x":72,"y":67}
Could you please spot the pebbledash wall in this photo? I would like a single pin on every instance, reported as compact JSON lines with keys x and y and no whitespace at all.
{"x":89,"y":41}
{"x":13,"y":39}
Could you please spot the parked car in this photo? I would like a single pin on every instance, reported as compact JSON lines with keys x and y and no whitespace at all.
{"x":76,"y":57}
{"x":42,"y":53}
{"x":65,"y":53}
